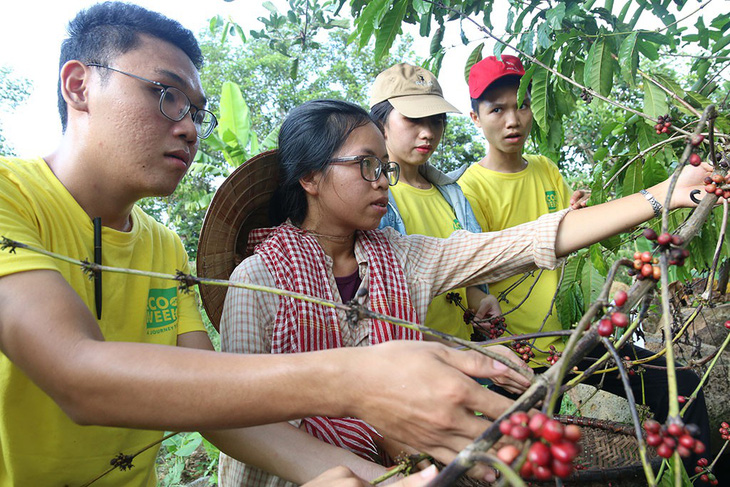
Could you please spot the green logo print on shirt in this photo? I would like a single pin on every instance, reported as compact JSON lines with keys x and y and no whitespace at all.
{"x":457,"y":224}
{"x":161,"y":310}
{"x":551,"y":198}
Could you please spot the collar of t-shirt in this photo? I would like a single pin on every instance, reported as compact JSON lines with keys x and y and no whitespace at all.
{"x":348,"y":285}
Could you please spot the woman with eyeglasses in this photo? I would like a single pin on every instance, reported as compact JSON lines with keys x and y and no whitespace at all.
{"x":334,"y":176}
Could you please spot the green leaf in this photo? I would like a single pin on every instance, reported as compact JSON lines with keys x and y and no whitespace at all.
{"x":569,"y":305}
{"x":654,"y":173}
{"x":655,"y":100}
{"x":628,"y":58}
{"x":270,"y":7}
{"x":294,"y":69}
{"x":474,"y":57}
{"x":555,"y":15}
{"x":599,"y":67}
{"x":234,"y":117}
{"x":597,"y":259}
{"x":719,"y":45}
{"x":215,"y":22}
{"x":191,"y":443}
{"x":633,"y":179}
{"x":591,"y":282}
{"x":389,"y":28}
{"x":670,"y":84}
{"x":525,"y":82}
{"x":571,"y":272}
{"x":436,"y":40}
{"x":543,"y":36}
{"x":697,"y":100}
{"x":540,"y":97}
{"x":421,"y":7}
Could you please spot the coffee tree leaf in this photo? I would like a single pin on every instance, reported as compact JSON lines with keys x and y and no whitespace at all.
{"x":720,"y":45}
{"x":421,"y":7}
{"x":474,"y":57}
{"x":597,"y":259}
{"x":540,"y":87}
{"x":628,"y":57}
{"x":653,"y":173}
{"x":655,"y":100}
{"x":389,"y":28}
{"x":633,"y":179}
{"x":591,"y":282}
{"x":599,"y":67}
{"x":436,"y":40}
{"x":554,"y":16}
{"x":569,"y":306}
{"x":670,"y":84}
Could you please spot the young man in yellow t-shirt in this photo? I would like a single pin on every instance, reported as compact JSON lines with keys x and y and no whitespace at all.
{"x":507,"y":188}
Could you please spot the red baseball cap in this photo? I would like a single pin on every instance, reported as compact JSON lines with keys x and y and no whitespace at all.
{"x":489,"y":70}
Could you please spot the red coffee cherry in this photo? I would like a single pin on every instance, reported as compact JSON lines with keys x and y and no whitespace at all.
{"x":619,"y":320}
{"x":664,"y":239}
{"x":539,"y":454}
{"x":605,"y":327}
{"x":552,"y":431}
{"x":695,"y":159}
{"x":620,"y":298}
{"x":697,"y":139}
{"x":646,"y":256}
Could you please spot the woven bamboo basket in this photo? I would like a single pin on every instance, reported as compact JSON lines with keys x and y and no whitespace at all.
{"x":609,"y":456}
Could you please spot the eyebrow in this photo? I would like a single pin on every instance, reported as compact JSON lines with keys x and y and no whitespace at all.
{"x":177,"y":79}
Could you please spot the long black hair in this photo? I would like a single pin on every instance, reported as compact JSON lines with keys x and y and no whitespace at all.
{"x":308,"y":139}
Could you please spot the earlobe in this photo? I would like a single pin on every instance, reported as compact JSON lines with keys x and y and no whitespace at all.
{"x":74,"y":76}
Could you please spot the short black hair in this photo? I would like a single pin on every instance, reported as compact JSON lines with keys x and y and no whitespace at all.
{"x":106,"y":30}
{"x":380,"y":112}
{"x":511,"y":80}
{"x":308,"y":139}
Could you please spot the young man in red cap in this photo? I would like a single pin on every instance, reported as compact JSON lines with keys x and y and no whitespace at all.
{"x":508,"y":188}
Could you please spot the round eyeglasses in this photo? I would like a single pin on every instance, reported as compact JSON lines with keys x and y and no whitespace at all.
{"x":175,"y":104}
{"x":372,"y":167}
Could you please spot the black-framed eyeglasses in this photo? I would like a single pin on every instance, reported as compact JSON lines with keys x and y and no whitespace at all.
{"x":175,"y":104}
{"x":372,"y":167}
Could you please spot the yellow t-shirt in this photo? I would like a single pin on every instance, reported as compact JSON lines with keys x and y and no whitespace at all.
{"x":39,"y":444}
{"x":503,"y":200}
{"x":426,"y":212}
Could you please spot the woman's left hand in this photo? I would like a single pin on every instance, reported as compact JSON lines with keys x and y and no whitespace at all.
{"x":691,"y":178}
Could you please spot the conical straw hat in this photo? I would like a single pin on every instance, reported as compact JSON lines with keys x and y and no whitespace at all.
{"x":240,"y":205}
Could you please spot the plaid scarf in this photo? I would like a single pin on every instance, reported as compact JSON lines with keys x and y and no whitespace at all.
{"x":297,"y":262}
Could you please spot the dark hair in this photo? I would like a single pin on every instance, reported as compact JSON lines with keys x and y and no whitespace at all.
{"x":511,"y":80}
{"x":381,"y":111}
{"x":106,"y":30}
{"x":308,"y":139}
